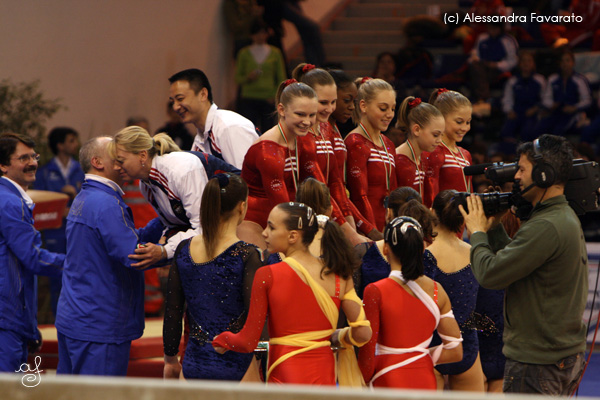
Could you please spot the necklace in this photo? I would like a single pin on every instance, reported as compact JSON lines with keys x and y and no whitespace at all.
{"x":293,"y":162}
{"x":388,"y":174}
{"x":467,"y":186}
{"x":414,"y":156}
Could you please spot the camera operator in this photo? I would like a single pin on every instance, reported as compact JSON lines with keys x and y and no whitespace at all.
{"x":544,"y":271}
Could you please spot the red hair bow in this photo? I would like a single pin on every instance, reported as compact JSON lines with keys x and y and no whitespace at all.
{"x":414,"y":102}
{"x":289,"y":82}
{"x":442,"y":90}
{"x":365,"y":78}
{"x":308,"y":67}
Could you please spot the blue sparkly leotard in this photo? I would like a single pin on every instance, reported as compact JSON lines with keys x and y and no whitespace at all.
{"x":490,"y":304}
{"x":461,"y":287}
{"x":217,"y":295}
{"x":374,"y":266}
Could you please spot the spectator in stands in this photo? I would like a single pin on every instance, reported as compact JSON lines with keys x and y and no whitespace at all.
{"x":522,"y":101}
{"x":222,"y":133}
{"x":566,"y":99}
{"x":239,"y":16}
{"x":258,"y":69}
{"x":575,"y":33}
{"x":481,"y":8}
{"x":492,"y":58}
{"x":414,"y":63}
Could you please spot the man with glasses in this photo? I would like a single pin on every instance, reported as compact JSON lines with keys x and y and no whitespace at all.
{"x":21,"y":255}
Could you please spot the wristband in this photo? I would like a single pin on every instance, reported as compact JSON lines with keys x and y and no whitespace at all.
{"x":163,"y":252}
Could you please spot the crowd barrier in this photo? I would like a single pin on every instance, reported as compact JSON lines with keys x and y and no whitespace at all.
{"x":92,"y":388}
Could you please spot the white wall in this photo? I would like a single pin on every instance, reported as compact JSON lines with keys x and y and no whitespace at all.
{"x":110,"y":59}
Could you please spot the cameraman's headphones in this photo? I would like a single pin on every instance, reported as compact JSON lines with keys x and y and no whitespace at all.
{"x":542,"y":174}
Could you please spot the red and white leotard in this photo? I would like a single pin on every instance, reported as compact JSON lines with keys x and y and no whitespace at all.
{"x":446,"y":168}
{"x":399,"y":320}
{"x":371,"y":174}
{"x":268,"y":170}
{"x":407,"y":174}
{"x":339,"y":149}
{"x":318,"y":161}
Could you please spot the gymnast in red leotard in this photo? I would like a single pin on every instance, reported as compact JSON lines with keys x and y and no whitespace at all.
{"x":344,"y":108}
{"x":424,"y":125}
{"x":271,"y":164}
{"x":405,"y":309}
{"x":302,"y":296}
{"x":445,"y":164}
{"x":318,"y":159}
{"x":371,"y":163}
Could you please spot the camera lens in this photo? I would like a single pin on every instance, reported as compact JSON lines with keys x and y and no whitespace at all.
{"x":493,"y":203}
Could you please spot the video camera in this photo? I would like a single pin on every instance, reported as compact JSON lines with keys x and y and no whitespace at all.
{"x":581,"y":189}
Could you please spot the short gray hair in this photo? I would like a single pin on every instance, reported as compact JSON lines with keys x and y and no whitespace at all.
{"x":90,"y":149}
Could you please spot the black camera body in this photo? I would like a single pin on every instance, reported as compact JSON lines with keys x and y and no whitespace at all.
{"x":581,"y":190}
{"x":496,"y":202}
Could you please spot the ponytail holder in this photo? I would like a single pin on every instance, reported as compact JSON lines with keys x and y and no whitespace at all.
{"x":308,"y":67}
{"x":223,"y":180}
{"x":364,"y":79}
{"x":289,"y":82}
{"x":414,"y":102}
{"x":322,"y":220}
{"x":442,"y":90}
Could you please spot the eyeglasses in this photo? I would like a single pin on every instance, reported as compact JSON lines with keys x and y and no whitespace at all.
{"x":26,"y":158}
